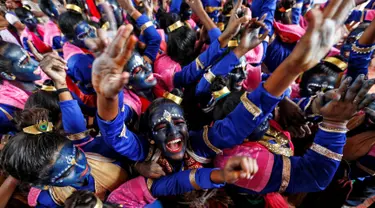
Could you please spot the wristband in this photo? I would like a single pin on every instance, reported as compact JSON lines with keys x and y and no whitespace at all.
{"x":59,"y":91}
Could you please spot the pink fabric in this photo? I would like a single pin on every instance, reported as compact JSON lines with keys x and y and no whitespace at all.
{"x":133,"y":193}
{"x":289,"y":33}
{"x":192,"y":23}
{"x":372,"y":151}
{"x":303,"y":22}
{"x":71,"y":50}
{"x":32,"y":198}
{"x":12,"y":95}
{"x":255,"y":55}
{"x":295,"y":91}
{"x":164,"y":70}
{"x":264,"y":158}
{"x":161,"y":33}
{"x":133,"y":101}
{"x":51,"y":31}
{"x":370,"y":15}
{"x":37,"y":42}
{"x":44,"y":77}
{"x":254,"y":77}
{"x":333,"y":52}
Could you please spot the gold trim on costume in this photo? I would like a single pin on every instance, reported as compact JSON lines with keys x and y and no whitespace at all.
{"x":362,"y":50}
{"x":233,"y":43}
{"x":199,"y":63}
{"x":285,"y":179}
{"x":212,"y":9}
{"x":48,"y":88}
{"x":175,"y":26}
{"x":326,"y":152}
{"x":99,"y":203}
{"x":337,"y":62}
{"x":39,"y":128}
{"x":192,"y":180}
{"x":209,"y":76}
{"x":105,"y":26}
{"x":367,"y":170}
{"x":196,"y":157}
{"x":251,"y":107}
{"x":6,"y":114}
{"x":74,"y":8}
{"x":332,"y":130}
{"x":79,"y":136}
{"x":174,"y":98}
{"x":146,"y":25}
{"x":220,"y":93}
{"x":279,"y":145}
{"x":149,"y":183}
{"x":207,"y":141}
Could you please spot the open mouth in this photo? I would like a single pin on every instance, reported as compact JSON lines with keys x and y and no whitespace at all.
{"x":174,"y":146}
{"x":150,"y":78}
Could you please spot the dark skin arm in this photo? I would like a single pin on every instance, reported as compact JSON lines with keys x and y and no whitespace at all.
{"x":368,"y":36}
{"x":6,"y":190}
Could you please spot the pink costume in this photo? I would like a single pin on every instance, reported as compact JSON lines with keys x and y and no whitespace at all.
{"x":51,"y":31}
{"x":164,"y":70}
{"x":133,"y":101}
{"x":12,"y":96}
{"x":133,"y":193}
{"x":254,"y":73}
{"x":35,"y":40}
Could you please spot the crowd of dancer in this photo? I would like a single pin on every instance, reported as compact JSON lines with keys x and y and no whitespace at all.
{"x":187,"y":103}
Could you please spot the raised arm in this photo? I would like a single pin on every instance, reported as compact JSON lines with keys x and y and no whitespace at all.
{"x":197,"y":7}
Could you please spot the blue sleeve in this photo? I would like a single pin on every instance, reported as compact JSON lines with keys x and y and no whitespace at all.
{"x":276,"y":53}
{"x":355,"y":15}
{"x":370,"y":5}
{"x":152,"y":38}
{"x":194,"y":71}
{"x":179,"y":183}
{"x":174,"y":7}
{"x":26,"y":45}
{"x":45,"y":200}
{"x":254,"y":108}
{"x":79,"y":68}
{"x":56,"y":43}
{"x":223,"y":67}
{"x":296,"y":12}
{"x":72,"y":117}
{"x":312,"y":172}
{"x":116,"y":135}
{"x":214,"y":34}
{"x":261,"y":7}
{"x":6,"y":124}
{"x":359,"y":62}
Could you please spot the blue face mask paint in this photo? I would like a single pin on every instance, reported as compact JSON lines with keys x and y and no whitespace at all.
{"x":83,"y":31}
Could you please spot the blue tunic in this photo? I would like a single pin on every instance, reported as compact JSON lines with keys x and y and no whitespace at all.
{"x":359,"y":62}
{"x":7,"y":125}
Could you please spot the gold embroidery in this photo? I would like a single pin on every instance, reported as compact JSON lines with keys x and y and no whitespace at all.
{"x":285,"y":175}
{"x":146,"y":25}
{"x":362,"y":50}
{"x":209,"y":76}
{"x":196,"y":157}
{"x":192,"y":180}
{"x":332,"y":130}
{"x":207,"y":141}
{"x":326,"y":152}
{"x":175,"y":26}
{"x":279,"y":142}
{"x":6,"y":114}
{"x":367,"y":170}
{"x":199,"y":64}
{"x":251,"y":107}
{"x":212,"y":9}
{"x":78,"y":136}
{"x":149,"y":183}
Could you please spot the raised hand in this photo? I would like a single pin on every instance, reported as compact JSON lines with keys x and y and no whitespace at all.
{"x":250,"y":36}
{"x":55,"y":68}
{"x":99,"y":44}
{"x":108,"y":78}
{"x":195,"y":5}
{"x":150,"y":169}
{"x":239,"y":168}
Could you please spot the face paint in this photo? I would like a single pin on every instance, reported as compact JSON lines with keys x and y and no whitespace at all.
{"x":56,"y":8}
{"x":186,"y":14}
{"x":82,"y":31}
{"x":320,"y":83}
{"x":237,"y":76}
{"x":169,"y":130}
{"x":141,"y":76}
{"x":117,"y":11}
{"x":349,"y":41}
{"x":23,"y":67}
{"x":70,"y":167}
{"x":30,"y":21}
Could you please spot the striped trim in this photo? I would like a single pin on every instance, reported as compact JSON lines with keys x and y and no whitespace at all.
{"x":285,"y":179}
{"x":192,"y":179}
{"x":326,"y":152}
{"x":208,"y":143}
{"x":251,"y":107}
{"x":149,"y":183}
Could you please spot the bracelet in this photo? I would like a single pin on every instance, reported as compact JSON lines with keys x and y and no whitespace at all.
{"x":59,"y":91}
{"x":209,"y":76}
{"x":363,"y":50}
{"x":326,"y":128}
{"x":146,"y":25}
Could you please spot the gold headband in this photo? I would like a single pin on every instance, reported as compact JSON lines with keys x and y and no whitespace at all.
{"x":26,"y":7}
{"x":99,"y":203}
{"x":48,"y":88}
{"x":74,"y":8}
{"x":337,"y":62}
{"x":39,"y":128}
{"x":172,"y":97}
{"x":175,"y":26}
{"x":105,"y":26}
{"x":221,"y":26}
{"x":220,"y":93}
{"x":233,"y":43}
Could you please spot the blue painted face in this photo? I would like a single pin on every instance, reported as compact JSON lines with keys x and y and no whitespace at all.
{"x":70,"y":167}
{"x":30,"y":21}
{"x":55,"y":9}
{"x":237,"y":76}
{"x":24,"y":68}
{"x":82,"y":31}
{"x":141,"y":76}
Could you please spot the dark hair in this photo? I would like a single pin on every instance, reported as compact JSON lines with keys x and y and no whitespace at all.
{"x":183,"y":7}
{"x":67,"y":22}
{"x":84,"y":199}
{"x":29,"y":157}
{"x":80,"y":3}
{"x":282,"y":16}
{"x":181,"y":45}
{"x":46,"y":5}
{"x":321,"y":68}
{"x":22,"y":13}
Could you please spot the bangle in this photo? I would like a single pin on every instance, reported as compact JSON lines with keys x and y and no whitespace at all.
{"x":59,"y":91}
{"x":333,"y":129}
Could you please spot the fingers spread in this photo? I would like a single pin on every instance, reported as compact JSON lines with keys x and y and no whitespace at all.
{"x":354,"y":88}
{"x":367,"y":101}
{"x":363,"y":91}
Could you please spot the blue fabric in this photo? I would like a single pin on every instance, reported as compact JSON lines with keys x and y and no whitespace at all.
{"x":276,"y":53}
{"x":174,"y":7}
{"x":261,"y":7}
{"x":212,"y":3}
{"x":237,"y":126}
{"x":371,"y":5}
{"x":121,"y":139}
{"x":155,"y":204}
{"x":151,"y":38}
{"x":79,"y":70}
{"x":214,"y":34}
{"x":179,"y":183}
{"x":190,"y":73}
{"x":57,"y":44}
{"x":26,"y":45}
{"x":359,"y":62}
{"x":296,"y":12}
{"x":5,"y":124}
{"x":355,"y":16}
